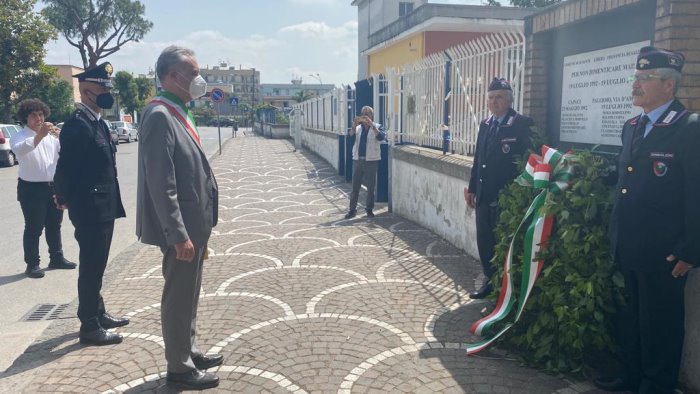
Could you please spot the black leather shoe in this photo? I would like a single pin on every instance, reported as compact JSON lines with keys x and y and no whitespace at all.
{"x":108,"y":321}
{"x":34,"y":272}
{"x":100,"y":337}
{"x":369,"y":212}
{"x":614,"y":384}
{"x":193,"y":380}
{"x":481,"y":293}
{"x":62,"y":264}
{"x":350,"y":214}
{"x":206,"y":362}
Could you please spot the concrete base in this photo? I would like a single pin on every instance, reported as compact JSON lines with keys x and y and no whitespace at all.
{"x":427,"y":187}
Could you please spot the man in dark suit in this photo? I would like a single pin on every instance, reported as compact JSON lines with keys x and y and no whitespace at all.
{"x":503,"y":138}
{"x":86,"y":184}
{"x":655,"y":226}
{"x":176,"y":208}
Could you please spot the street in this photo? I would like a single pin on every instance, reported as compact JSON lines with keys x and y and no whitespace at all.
{"x":19,"y":294}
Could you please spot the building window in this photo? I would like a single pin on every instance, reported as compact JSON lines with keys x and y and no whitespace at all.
{"x":405,"y":7}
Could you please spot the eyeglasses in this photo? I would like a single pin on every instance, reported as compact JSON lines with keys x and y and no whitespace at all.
{"x":643,"y":77}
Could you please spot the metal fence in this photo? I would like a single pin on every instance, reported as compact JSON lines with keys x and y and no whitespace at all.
{"x":417,"y":102}
{"x":329,"y":112}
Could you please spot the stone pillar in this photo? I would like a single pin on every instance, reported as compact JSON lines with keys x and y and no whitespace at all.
{"x":678,"y":29}
{"x":536,"y":77}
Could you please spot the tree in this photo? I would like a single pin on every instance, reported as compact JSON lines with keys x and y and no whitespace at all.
{"x":23,"y":34}
{"x":58,"y":95}
{"x":98,"y":28}
{"x":301,"y":96}
{"x":127,"y":91}
{"x":144,"y":88}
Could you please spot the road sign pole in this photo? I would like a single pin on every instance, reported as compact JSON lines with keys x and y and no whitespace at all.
{"x":218,"y":123}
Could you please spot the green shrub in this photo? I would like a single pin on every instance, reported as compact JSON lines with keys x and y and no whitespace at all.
{"x":568,"y":315}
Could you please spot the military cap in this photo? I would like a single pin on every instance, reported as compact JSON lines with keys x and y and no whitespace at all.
{"x":499,"y":84}
{"x":101,"y":74}
{"x":650,"y":58}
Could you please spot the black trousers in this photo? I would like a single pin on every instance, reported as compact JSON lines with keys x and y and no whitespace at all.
{"x":363,"y":172}
{"x":40,"y":212}
{"x":486,"y":220}
{"x":95,"y":240}
{"x":650,"y":329}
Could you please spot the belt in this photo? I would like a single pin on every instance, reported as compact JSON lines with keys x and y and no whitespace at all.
{"x":49,"y":183}
{"x":361,"y":157}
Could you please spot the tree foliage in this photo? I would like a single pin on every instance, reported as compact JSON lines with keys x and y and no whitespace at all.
{"x":301,"y":96}
{"x":132,"y":92}
{"x":568,"y":315}
{"x":98,"y":28}
{"x":58,"y":95}
{"x":23,"y":34}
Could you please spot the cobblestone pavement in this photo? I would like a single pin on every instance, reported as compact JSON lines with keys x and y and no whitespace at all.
{"x":296,"y":299}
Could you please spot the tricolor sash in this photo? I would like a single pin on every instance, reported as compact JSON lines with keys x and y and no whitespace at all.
{"x":552,"y":173}
{"x":180,"y":115}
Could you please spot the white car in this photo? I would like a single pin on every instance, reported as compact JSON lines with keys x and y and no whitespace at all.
{"x":126,"y":131}
{"x":7,"y":157}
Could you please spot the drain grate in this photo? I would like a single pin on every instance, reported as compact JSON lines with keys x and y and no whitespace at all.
{"x":45,"y":312}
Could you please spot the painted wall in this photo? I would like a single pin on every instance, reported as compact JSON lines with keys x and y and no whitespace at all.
{"x":322,"y":143}
{"x":408,"y":50}
{"x":428,"y":188}
{"x":438,"y":41}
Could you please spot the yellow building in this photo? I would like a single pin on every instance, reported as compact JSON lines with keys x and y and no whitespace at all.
{"x":66,"y":72}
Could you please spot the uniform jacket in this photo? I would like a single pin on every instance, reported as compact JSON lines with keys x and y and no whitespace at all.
{"x":374,"y":152}
{"x":177,"y":195}
{"x":657,"y":197}
{"x":86,"y":172}
{"x":494,"y":169}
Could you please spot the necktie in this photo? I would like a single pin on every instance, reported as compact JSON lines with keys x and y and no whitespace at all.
{"x":491,"y":136}
{"x":639,"y":133}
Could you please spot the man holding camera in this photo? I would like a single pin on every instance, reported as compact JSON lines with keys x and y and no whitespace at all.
{"x":366,"y":153}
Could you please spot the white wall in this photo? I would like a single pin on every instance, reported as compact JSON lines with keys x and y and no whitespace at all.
{"x":322,"y":143}
{"x":432,"y":198}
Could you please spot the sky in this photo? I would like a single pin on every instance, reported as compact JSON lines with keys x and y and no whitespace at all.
{"x":283,"y":39}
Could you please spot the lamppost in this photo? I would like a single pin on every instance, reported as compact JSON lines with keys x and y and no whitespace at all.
{"x":318,"y":77}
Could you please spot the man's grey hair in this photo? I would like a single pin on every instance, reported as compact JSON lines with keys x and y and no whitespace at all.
{"x":368,"y":110}
{"x":510,"y":95}
{"x":670,"y":73}
{"x":170,"y":58}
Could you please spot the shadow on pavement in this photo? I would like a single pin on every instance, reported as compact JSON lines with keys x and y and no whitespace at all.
{"x":6,"y":280}
{"x":42,"y":353}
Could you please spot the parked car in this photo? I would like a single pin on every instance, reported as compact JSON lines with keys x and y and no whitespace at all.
{"x":113,"y":132}
{"x":126,"y":131}
{"x":7,"y":157}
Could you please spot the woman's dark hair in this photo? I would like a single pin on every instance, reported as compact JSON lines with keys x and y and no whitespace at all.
{"x":28,"y":106}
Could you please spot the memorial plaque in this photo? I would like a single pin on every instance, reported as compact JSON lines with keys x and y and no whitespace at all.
{"x":597,"y":94}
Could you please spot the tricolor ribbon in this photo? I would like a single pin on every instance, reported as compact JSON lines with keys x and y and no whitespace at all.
{"x":552,"y":172}
{"x":180,"y":115}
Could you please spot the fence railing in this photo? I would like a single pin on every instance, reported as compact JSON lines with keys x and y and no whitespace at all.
{"x":444,"y":91}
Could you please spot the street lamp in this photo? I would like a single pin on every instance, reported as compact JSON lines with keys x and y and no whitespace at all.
{"x":318,"y":77}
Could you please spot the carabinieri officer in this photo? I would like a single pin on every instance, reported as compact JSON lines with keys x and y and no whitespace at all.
{"x":86,"y":184}
{"x":503,"y":138}
{"x":655,"y":226}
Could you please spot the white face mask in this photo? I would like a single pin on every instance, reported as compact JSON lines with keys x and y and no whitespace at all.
{"x":198,"y":87}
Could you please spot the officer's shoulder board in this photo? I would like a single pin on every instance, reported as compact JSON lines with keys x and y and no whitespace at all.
{"x":510,"y":120}
{"x":671,"y":118}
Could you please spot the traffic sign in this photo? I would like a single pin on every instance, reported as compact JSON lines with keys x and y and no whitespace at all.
{"x":234,"y":101}
{"x":217,"y":95}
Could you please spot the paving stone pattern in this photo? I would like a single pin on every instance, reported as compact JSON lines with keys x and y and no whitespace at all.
{"x":299,"y":300}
